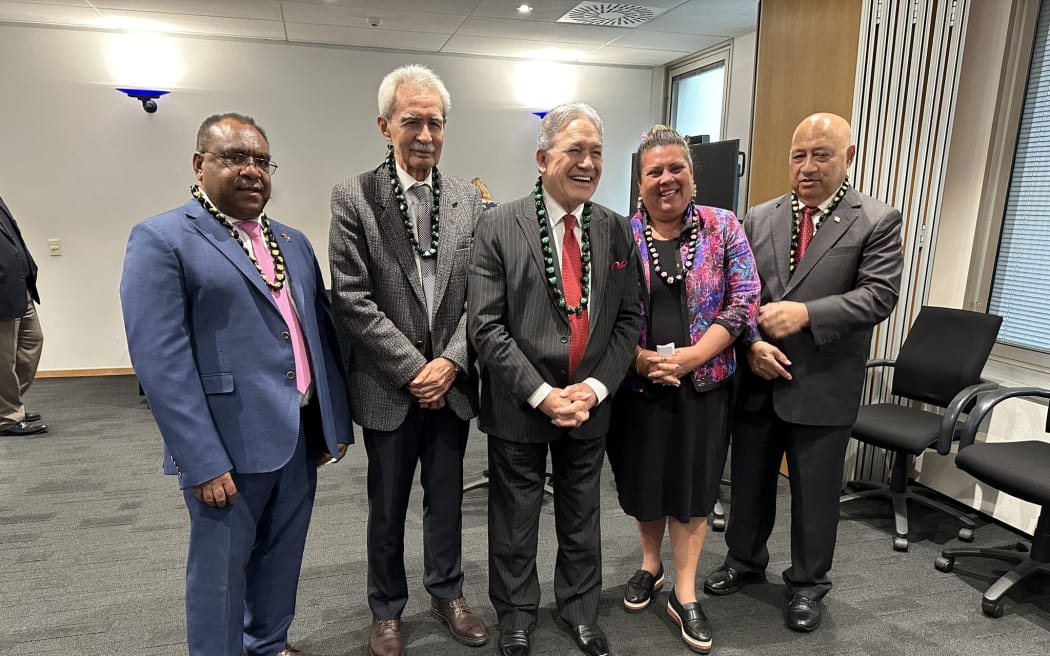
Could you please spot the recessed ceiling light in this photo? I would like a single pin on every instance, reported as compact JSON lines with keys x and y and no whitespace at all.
{"x":524,"y":9}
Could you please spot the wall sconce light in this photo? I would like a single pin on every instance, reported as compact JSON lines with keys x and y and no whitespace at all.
{"x":540,"y":114}
{"x":148,"y":97}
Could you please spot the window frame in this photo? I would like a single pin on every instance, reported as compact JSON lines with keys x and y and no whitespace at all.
{"x":721,"y":53}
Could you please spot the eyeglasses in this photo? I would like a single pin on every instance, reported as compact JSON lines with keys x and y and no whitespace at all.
{"x":241,"y":161}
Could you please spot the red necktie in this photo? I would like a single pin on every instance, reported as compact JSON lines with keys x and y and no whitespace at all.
{"x":805,"y":232}
{"x":571,"y":270}
{"x":280,"y":296}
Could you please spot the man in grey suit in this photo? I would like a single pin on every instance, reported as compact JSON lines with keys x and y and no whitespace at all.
{"x":553,"y":311}
{"x":830,"y":262}
{"x":399,"y":245}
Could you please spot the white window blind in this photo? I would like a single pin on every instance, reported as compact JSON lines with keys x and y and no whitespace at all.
{"x":1021,"y":286}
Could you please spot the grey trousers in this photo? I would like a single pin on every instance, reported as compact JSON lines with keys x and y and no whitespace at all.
{"x":21,"y":341}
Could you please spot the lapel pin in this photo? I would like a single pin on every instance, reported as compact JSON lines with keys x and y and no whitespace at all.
{"x":287,"y":238}
{"x":837,"y":220}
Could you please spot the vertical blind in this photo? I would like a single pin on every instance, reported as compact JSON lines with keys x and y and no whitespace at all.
{"x":1020,"y":289}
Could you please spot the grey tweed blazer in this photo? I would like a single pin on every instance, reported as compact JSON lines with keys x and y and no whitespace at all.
{"x":522,"y":336}
{"x":849,"y":280}
{"x":377,"y":297}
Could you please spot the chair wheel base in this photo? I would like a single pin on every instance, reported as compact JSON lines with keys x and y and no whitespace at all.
{"x":966,"y":534}
{"x":718,"y":524}
{"x":942,"y":564}
{"x":900,"y":544}
{"x":992,"y":608}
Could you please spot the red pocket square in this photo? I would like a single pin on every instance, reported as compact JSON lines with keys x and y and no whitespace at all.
{"x":619,"y":264}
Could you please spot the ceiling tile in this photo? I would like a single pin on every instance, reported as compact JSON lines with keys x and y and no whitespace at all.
{"x":365,"y":37}
{"x":393,"y":19}
{"x":632,"y":56}
{"x":539,"y":31}
{"x":667,"y":41}
{"x":457,"y":7}
{"x":26,"y":12}
{"x":185,"y":24}
{"x":519,"y":48}
{"x":696,"y":18}
{"x":258,"y":9}
{"x":542,"y":10}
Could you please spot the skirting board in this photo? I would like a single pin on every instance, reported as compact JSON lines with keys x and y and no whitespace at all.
{"x":79,"y":373}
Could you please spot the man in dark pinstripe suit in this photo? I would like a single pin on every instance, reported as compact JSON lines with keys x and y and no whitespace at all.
{"x":399,"y":244}
{"x":553,"y":312}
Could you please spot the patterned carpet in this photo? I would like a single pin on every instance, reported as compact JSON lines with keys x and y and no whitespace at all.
{"x":93,"y":539}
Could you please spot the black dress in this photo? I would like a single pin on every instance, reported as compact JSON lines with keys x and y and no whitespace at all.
{"x":667,"y":445}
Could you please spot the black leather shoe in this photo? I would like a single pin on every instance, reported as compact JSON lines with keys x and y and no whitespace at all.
{"x":690,"y":618}
{"x":726,"y":580}
{"x":23,"y":428}
{"x":514,"y":642}
{"x":804,"y":613}
{"x":590,"y":639}
{"x":32,"y":416}
{"x":640,"y":589}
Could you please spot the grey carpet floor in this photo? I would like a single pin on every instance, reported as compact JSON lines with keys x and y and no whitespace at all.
{"x":93,"y":540}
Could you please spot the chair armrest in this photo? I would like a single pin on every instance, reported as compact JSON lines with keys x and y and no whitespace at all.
{"x":879,"y":362}
{"x":951,"y":414}
{"x":989,"y":401}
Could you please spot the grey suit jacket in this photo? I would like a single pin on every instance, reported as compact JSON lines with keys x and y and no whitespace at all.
{"x":522,"y":336}
{"x":849,"y":280}
{"x":377,"y":297}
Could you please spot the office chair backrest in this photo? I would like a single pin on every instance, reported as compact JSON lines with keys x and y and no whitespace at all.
{"x":944,"y":352}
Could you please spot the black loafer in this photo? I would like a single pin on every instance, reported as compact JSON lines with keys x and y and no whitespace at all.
{"x":32,"y":416}
{"x":804,"y":613}
{"x":23,"y":428}
{"x":640,"y":589}
{"x":514,"y":642}
{"x":590,"y":639}
{"x":690,"y":618}
{"x":726,"y":580}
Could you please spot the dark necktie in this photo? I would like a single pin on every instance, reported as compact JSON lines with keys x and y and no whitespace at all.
{"x":280,"y":296}
{"x":427,"y":265}
{"x":805,"y":231}
{"x":571,"y":270}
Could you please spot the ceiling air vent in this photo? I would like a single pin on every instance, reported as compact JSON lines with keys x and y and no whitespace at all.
{"x":610,"y":14}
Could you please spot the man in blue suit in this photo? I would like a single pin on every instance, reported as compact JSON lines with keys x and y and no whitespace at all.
{"x":230,"y":333}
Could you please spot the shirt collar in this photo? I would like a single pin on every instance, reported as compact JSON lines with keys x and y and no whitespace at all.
{"x":407,"y":181}
{"x":556,"y":210}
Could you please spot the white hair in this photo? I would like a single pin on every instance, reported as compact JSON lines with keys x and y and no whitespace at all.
{"x":412,"y":75}
{"x":559,"y":117}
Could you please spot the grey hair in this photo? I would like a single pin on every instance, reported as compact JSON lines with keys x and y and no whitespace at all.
{"x":412,"y":75}
{"x":559,"y":117}
{"x":661,"y":135}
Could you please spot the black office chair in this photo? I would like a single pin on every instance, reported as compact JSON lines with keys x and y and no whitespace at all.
{"x":939,"y":364}
{"x":1020,"y":469}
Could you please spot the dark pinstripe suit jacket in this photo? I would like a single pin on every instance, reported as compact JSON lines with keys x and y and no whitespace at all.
{"x":849,"y":279}
{"x":520,"y":333}
{"x":377,"y":297}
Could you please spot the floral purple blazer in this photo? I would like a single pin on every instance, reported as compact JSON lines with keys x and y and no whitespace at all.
{"x":721,"y":287}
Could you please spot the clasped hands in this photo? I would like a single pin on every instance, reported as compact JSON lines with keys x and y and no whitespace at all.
{"x":661,"y":369}
{"x":569,"y":407}
{"x":432,"y":383}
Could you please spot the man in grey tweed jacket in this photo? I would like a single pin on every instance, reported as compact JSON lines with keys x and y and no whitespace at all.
{"x":547,"y":372}
{"x":399,"y":245}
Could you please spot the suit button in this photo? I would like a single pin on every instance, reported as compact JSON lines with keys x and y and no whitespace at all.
{"x":419,"y":343}
{"x":562,"y":372}
{"x":285,"y":335}
{"x":564,"y":339}
{"x":290,"y":375}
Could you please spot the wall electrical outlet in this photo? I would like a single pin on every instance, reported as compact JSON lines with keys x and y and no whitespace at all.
{"x":54,"y":246}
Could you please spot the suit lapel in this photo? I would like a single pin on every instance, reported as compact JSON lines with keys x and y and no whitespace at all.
{"x":215,"y":233}
{"x":447,"y":246}
{"x":600,"y":226}
{"x":392,"y":231}
{"x":781,"y":235}
{"x":7,"y":218}
{"x":832,"y":228}
{"x":529,"y":225}
{"x":297,"y":267}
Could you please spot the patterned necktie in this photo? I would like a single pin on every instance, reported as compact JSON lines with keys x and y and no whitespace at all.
{"x":280,"y":296}
{"x":427,"y":265}
{"x":805,"y":231}
{"x":571,"y":270}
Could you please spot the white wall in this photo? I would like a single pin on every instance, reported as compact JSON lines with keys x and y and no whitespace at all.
{"x":83,"y":163}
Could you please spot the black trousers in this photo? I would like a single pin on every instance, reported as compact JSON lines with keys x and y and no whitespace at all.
{"x":814,"y":457}
{"x":516,"y":476}
{"x":437,"y":440}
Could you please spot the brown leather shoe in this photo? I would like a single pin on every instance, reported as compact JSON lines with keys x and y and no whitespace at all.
{"x":385,"y":638}
{"x":463,"y":623}
{"x":291,"y":651}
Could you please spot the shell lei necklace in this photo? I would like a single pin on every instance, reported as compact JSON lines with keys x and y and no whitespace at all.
{"x":796,"y":212}
{"x":654,"y":257}
{"x":548,"y":252}
{"x":268,"y":239}
{"x":402,"y":204}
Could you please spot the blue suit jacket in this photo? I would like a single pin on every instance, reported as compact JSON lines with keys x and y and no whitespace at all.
{"x":205,"y":338}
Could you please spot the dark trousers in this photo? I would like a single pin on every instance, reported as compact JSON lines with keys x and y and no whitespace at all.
{"x":516,"y":476}
{"x":814,"y":456}
{"x":437,"y":440}
{"x":242,"y":570}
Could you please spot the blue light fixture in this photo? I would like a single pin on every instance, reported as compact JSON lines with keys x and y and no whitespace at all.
{"x":148,"y":97}
{"x":540,"y":114}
